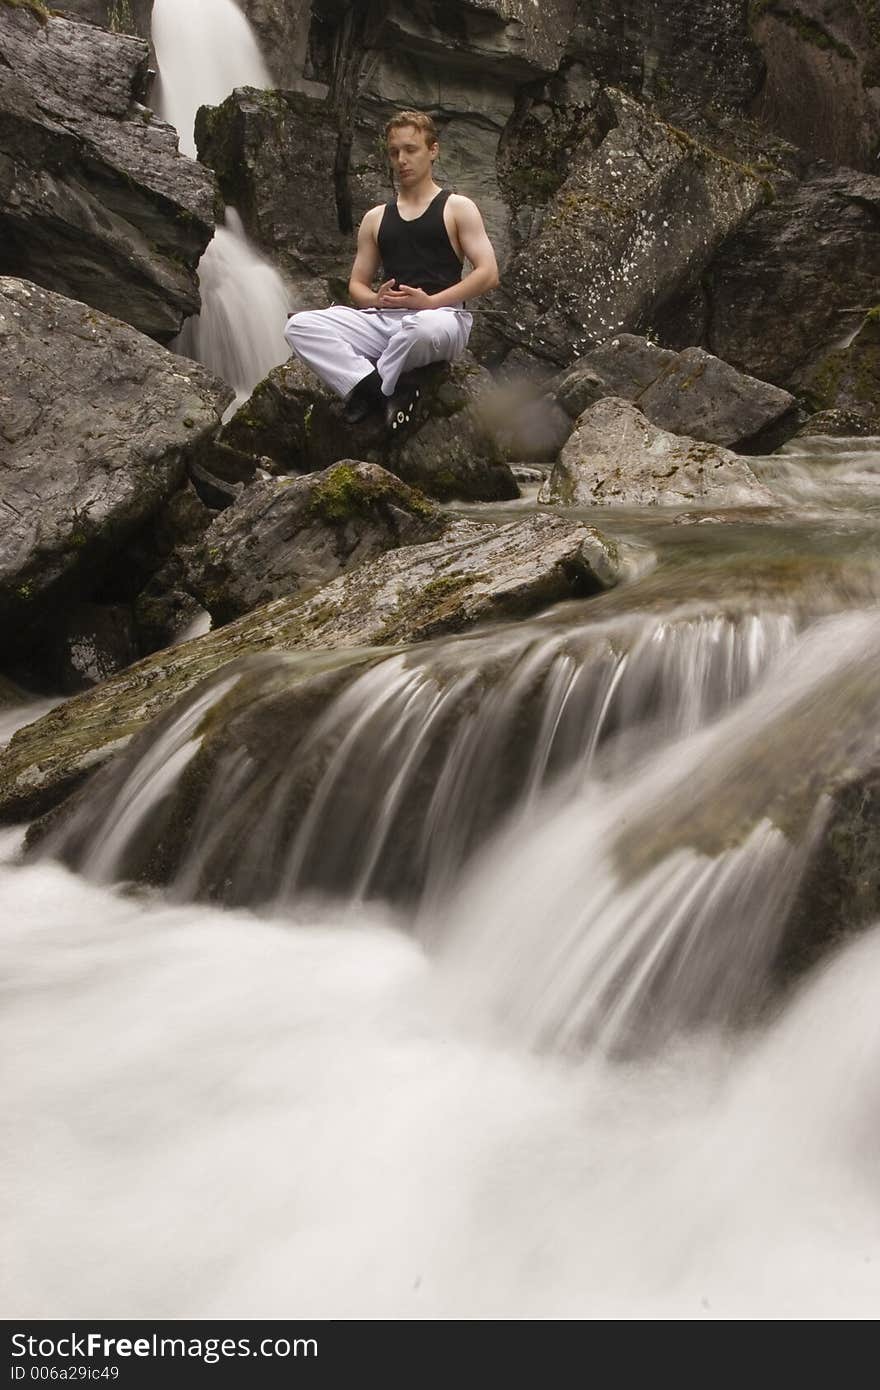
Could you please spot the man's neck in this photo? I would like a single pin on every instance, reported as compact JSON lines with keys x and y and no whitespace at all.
{"x":420,"y":195}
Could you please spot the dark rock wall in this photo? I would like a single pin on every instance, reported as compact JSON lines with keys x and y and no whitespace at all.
{"x":822,"y":86}
{"x":95,"y":200}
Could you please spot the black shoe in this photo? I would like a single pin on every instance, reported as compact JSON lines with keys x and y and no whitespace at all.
{"x":363,"y":398}
{"x":401,"y":408}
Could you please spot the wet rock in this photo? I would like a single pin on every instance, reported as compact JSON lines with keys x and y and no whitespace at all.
{"x":779,"y":295}
{"x":95,"y":200}
{"x":846,"y":382}
{"x":274,"y":154}
{"x":98,"y":640}
{"x":474,"y":574}
{"x":838,"y":424}
{"x":97,"y":426}
{"x":282,"y":27}
{"x":688,"y":392}
{"x":286,"y":536}
{"x":296,"y":421}
{"x":624,"y":365}
{"x":701,"y":396}
{"x":821,"y":87}
{"x":617,"y":457}
{"x":637,"y":219}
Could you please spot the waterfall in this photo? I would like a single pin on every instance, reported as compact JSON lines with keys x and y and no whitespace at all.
{"x":205,"y":49}
{"x":238,"y":333}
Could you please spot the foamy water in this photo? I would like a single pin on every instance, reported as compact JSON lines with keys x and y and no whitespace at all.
{"x":209,"y":1115}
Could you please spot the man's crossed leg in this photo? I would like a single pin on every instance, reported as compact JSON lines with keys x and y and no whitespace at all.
{"x":361,"y":354}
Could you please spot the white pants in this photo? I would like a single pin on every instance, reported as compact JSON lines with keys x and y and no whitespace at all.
{"x":343,"y":345}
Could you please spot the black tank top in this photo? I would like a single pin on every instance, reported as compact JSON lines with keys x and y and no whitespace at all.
{"x":419,"y":253}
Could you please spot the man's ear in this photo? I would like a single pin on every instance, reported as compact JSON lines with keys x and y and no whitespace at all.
{"x":433,"y":151}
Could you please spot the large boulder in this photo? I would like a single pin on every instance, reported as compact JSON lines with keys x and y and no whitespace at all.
{"x":616,"y":457}
{"x":821,"y":87}
{"x":638,"y":217}
{"x":475,"y":573}
{"x":294,"y":424}
{"x":95,"y":200}
{"x":274,"y":155}
{"x":96,"y":426}
{"x":663,"y":51}
{"x":780,"y":294}
{"x":288,"y":535}
{"x":688,"y":392}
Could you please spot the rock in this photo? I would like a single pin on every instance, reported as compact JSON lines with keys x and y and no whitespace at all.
{"x":98,"y":641}
{"x":164,"y":608}
{"x":690,"y":392}
{"x":96,"y":426}
{"x":779,"y":296}
{"x":474,"y":574}
{"x":621,"y":235}
{"x":282,"y":27}
{"x":122,"y":16}
{"x":624,"y":365}
{"x":661,"y":50}
{"x":274,"y":154}
{"x":296,"y":421}
{"x":95,"y":200}
{"x":846,"y":382}
{"x":291,"y":535}
{"x":838,"y":424}
{"x":701,"y":396}
{"x":821,"y":88}
{"x":618,"y":458}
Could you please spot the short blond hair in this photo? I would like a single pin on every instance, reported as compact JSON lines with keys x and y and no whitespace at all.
{"x":420,"y":119}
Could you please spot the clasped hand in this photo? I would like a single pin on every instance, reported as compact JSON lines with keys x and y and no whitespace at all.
{"x":405,"y":297}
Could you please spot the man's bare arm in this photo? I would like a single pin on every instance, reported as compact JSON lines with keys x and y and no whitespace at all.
{"x":366,"y":264}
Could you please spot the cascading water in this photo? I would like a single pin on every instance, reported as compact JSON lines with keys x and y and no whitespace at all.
{"x":244,"y":309}
{"x":205,"y":49}
{"x":590,"y":828}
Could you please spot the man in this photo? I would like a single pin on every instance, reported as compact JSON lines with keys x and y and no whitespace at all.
{"x":418,"y":313}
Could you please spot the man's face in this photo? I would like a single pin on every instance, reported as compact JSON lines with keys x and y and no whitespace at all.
{"x":410,"y":154}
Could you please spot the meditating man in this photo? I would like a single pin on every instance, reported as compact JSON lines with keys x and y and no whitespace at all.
{"x":418,"y":314}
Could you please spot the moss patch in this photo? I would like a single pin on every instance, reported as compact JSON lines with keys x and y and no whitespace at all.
{"x":345,"y":495}
{"x":36,"y":8}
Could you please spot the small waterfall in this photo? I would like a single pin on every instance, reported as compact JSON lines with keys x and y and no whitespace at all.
{"x":401,"y":776}
{"x":238,"y":334}
{"x":205,"y":49}
{"x":635,"y":906}
{"x":601,"y":830}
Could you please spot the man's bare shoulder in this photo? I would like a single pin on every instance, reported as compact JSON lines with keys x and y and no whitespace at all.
{"x":464,"y":211}
{"x":372,"y":218}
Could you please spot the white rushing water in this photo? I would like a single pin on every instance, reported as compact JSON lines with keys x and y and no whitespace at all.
{"x":205,"y":49}
{"x":210,"y":1116}
{"x":316,"y":1114}
{"x":245,"y":305}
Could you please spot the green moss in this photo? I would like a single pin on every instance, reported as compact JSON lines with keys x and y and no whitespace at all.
{"x":528,"y":184}
{"x":344,"y":495}
{"x":36,"y":7}
{"x":807,"y":29}
{"x":119,"y":17}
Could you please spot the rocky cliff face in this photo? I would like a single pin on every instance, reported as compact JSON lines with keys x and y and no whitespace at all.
{"x":95,"y":201}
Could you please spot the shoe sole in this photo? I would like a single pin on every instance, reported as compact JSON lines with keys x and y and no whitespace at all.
{"x":403,"y":416}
